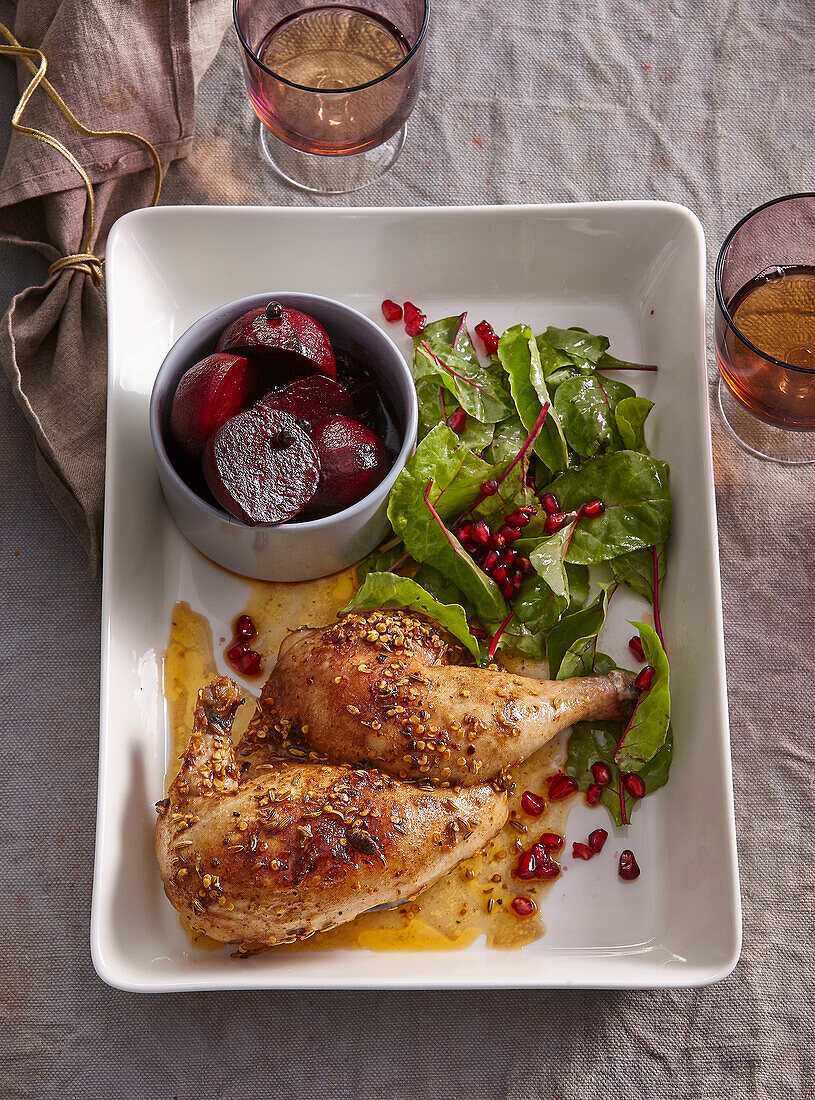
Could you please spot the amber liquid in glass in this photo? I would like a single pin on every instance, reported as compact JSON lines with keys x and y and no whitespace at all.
{"x":328,"y":49}
{"x":776,"y":312}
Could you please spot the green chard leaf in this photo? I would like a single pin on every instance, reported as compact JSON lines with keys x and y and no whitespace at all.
{"x":646,"y":732}
{"x":439,"y":586}
{"x":508,"y":438}
{"x":549,"y":561}
{"x":382,"y":559}
{"x":571,"y":644}
{"x":553,"y":361}
{"x":518,"y":353}
{"x":593,"y":741}
{"x":447,"y":356}
{"x":587,"y":407}
{"x":634,"y":489}
{"x":437,"y":405}
{"x":579,"y":344}
{"x":389,"y":590}
{"x":630,"y":415}
{"x":437,"y":484}
{"x":636,"y":570}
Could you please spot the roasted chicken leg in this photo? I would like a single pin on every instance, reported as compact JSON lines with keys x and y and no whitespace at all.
{"x":377,"y":689}
{"x":251,"y":849}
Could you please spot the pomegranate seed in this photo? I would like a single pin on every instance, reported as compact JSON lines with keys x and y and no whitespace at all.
{"x":645,"y":678}
{"x":597,"y":839}
{"x":594,"y":508}
{"x":527,"y":865}
{"x":244,"y":628}
{"x":554,"y":522}
{"x":517,"y":579}
{"x":509,"y":533}
{"x":594,"y":794}
{"x":499,"y":574}
{"x":581,"y":851}
{"x":488,"y":337}
{"x":518,"y":519}
{"x":547,"y":868}
{"x":490,"y":561}
{"x":629,"y":868}
{"x":525,"y":565}
{"x":550,"y":504}
{"x":508,"y":589}
{"x":634,"y":785}
{"x":635,"y":645}
{"x":391,"y":311}
{"x":465,"y":534}
{"x":251,"y":663}
{"x":532,"y":804}
{"x":552,"y":841}
{"x":489,"y":488}
{"x":524,"y":907}
{"x":415,"y":320}
{"x":561,"y":786}
{"x":601,"y":773}
{"x":528,"y":510}
{"x":457,"y":421}
{"x":412,"y":312}
{"x":498,"y":542}
{"x":509,"y":556}
{"x":481,"y":533}
{"x":237,"y":651}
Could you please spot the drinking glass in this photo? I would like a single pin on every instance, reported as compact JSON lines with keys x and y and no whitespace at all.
{"x":765,"y":330}
{"x":332,"y":85}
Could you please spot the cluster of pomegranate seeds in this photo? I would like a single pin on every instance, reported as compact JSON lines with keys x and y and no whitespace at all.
{"x":645,"y":678}
{"x":635,"y":645}
{"x":485,"y":332}
{"x":634,"y":785}
{"x":556,"y":518}
{"x":560,"y":786}
{"x":244,"y":659}
{"x":596,"y":841}
{"x":532,"y":804}
{"x":391,"y":311}
{"x":490,"y":550}
{"x":415,"y":320}
{"x":538,"y":862}
{"x":629,"y":868}
{"x":457,"y":421}
{"x":524,"y":907}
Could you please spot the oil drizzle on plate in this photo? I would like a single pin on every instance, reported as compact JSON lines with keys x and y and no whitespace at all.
{"x":474,"y":899}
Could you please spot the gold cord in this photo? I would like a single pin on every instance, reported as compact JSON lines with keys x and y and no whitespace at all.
{"x":37,"y":63}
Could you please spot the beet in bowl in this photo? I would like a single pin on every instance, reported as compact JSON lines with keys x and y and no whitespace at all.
{"x":280,"y":423}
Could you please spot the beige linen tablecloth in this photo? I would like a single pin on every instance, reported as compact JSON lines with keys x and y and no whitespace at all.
{"x":529,"y":101}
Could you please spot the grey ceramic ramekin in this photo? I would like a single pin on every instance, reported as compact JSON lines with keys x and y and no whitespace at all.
{"x":290,"y":551}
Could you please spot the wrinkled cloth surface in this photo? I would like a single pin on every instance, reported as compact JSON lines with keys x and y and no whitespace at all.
{"x":709,"y":105}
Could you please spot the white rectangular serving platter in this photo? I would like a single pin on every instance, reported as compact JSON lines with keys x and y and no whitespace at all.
{"x":634,"y":271}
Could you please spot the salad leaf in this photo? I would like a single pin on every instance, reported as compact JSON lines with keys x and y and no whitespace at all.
{"x":549,"y":561}
{"x":630,"y":415}
{"x":634,"y":489}
{"x":518,"y":353}
{"x":593,"y":741}
{"x":436,"y":485}
{"x":578,"y":343}
{"x":537,"y":606}
{"x":646,"y":732}
{"x":389,"y":590}
{"x":382,"y":559}
{"x":437,"y":405}
{"x":552,"y":360}
{"x":439,"y":586}
{"x":445,"y":354}
{"x":636,"y":570}
{"x":508,"y":438}
{"x":587,"y":408}
{"x":571,"y":644}
{"x":578,"y":584}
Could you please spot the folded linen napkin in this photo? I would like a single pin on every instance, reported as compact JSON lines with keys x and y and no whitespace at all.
{"x":119,"y":66}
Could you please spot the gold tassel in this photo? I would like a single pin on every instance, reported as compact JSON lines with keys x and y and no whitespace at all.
{"x":37,"y":63}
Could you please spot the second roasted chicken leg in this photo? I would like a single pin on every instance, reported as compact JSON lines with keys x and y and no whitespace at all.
{"x":376,"y":689}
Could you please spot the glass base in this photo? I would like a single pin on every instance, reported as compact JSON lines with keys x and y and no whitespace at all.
{"x":764,"y":440}
{"x":330,"y":175}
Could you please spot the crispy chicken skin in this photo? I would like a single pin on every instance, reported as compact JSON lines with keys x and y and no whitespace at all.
{"x":256,"y":849}
{"x":376,"y":688}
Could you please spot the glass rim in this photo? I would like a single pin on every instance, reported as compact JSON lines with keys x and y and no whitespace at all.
{"x":717,"y":281}
{"x":332,"y":91}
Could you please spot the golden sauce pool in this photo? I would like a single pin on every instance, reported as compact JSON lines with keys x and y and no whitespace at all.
{"x":474,"y":898}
